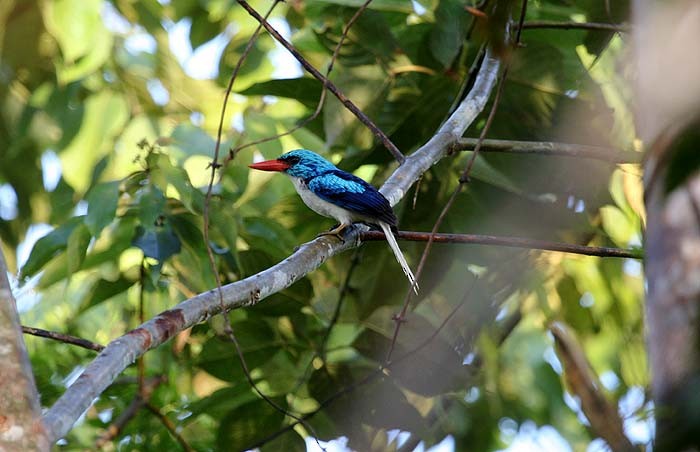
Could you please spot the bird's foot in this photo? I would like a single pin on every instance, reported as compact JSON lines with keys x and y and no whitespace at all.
{"x":336,"y":232}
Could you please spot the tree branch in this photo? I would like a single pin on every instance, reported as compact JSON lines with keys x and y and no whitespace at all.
{"x":65,"y":338}
{"x":359,"y":114}
{"x":169,"y":426}
{"x":20,"y":412}
{"x":143,"y":394}
{"x":583,"y":382}
{"x":513,"y":242}
{"x":550,"y":148}
{"x":121,"y":352}
{"x":553,"y":24}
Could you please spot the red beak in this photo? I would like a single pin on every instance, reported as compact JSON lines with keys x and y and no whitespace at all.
{"x":270,"y":165}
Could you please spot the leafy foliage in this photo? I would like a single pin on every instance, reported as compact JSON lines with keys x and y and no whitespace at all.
{"x":102,"y":87}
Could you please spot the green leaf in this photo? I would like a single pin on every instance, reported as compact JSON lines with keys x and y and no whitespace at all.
{"x":78,"y":242}
{"x":100,"y":52}
{"x":202,"y":30}
{"x":48,"y":246}
{"x":290,"y":441}
{"x":222,"y":401}
{"x":76,"y":25}
{"x":485,"y":172}
{"x":248,"y":424}
{"x":258,"y":343}
{"x":449,"y":31}
{"x":267,"y":235}
{"x":188,"y":140}
{"x":159,"y":243}
{"x":151,"y":206}
{"x":105,"y":114}
{"x":61,"y":199}
{"x":234,"y":179}
{"x":102,"y":206}
{"x":103,"y":290}
{"x":163,"y":172}
{"x":618,"y":225}
{"x":304,"y":89}
{"x":110,"y":248}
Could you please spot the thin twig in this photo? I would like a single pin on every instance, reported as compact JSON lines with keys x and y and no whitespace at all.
{"x":553,"y":24}
{"x":322,"y":98}
{"x":359,"y":114}
{"x":512,"y":242}
{"x":551,"y":148}
{"x":139,"y":401}
{"x":169,"y":426}
{"x":141,"y":363}
{"x":65,"y":338}
{"x":116,"y":427}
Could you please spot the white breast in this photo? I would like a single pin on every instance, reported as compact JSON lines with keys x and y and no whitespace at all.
{"x":321,"y":206}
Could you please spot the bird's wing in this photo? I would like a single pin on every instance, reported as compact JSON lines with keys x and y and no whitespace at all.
{"x":352,"y":193}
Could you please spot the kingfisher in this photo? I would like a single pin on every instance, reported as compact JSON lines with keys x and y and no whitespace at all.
{"x":334,"y":193}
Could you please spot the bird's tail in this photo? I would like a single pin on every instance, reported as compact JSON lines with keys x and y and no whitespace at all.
{"x":399,"y":255}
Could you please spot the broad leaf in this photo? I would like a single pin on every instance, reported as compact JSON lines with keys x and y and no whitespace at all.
{"x":102,"y":206}
{"x":48,"y":246}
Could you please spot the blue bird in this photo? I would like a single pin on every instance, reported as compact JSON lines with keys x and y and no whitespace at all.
{"x":334,"y":193}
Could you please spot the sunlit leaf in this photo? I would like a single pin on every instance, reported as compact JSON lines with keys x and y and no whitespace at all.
{"x":78,"y":242}
{"x":103,"y":290}
{"x":102,"y":206}
{"x":305,"y":89}
{"x":48,"y":246}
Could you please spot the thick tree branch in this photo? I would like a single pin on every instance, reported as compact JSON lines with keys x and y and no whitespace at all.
{"x":513,"y":242}
{"x":551,"y":148}
{"x":120,"y":353}
{"x":447,"y":135}
{"x":20,"y":413}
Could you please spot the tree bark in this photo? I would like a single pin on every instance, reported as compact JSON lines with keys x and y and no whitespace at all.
{"x":21,"y":428}
{"x":673,"y":274}
{"x":668,"y":98}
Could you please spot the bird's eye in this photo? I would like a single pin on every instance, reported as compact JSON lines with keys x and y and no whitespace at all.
{"x":292,"y":159}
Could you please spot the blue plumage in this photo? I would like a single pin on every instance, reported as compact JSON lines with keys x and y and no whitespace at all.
{"x":334,"y":193}
{"x":350,"y":192}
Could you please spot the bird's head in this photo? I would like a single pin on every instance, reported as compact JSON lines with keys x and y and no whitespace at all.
{"x":297,"y":163}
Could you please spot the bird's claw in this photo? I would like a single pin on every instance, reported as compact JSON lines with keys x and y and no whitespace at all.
{"x":337,"y":232}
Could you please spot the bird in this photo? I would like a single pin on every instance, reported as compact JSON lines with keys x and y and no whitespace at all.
{"x":334,"y":193}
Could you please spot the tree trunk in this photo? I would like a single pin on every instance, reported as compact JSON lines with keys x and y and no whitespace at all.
{"x":668,"y":98}
{"x":673,"y":273}
{"x":21,"y":428}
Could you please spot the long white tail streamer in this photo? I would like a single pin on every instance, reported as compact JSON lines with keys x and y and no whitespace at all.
{"x":399,"y":255}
